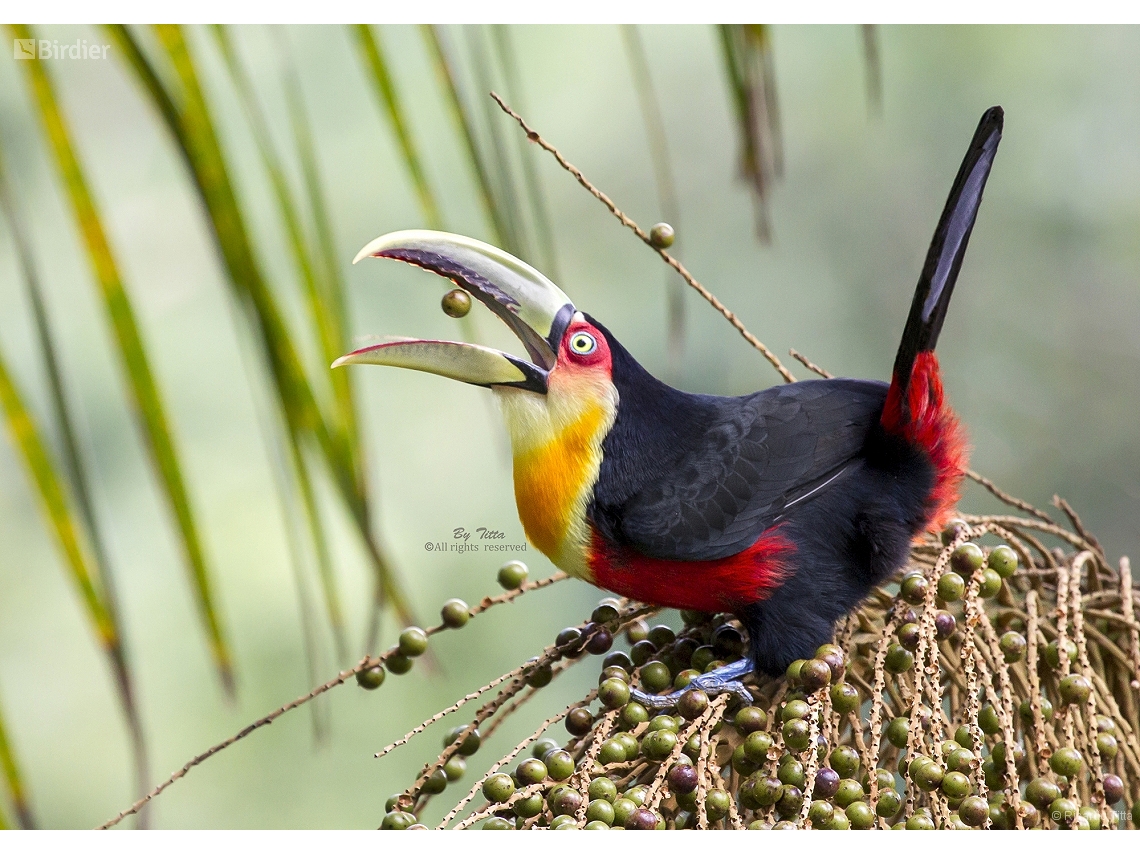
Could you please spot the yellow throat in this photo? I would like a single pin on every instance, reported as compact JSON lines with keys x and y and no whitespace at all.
{"x":556,"y":443}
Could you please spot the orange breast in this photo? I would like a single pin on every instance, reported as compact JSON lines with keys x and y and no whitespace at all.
{"x":552,"y":482}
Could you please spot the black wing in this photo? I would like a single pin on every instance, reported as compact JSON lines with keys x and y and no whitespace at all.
{"x":723,"y":470}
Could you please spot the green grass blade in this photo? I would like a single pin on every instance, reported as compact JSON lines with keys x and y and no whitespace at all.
{"x":144,"y":390}
{"x":211,"y":177}
{"x":330,"y":280}
{"x":377,"y":65}
{"x":663,"y":177}
{"x":68,"y":532}
{"x":527,"y":153}
{"x":77,"y":474}
{"x":15,"y":781}
{"x":444,"y":67}
{"x":747,"y":52}
{"x":319,"y":312}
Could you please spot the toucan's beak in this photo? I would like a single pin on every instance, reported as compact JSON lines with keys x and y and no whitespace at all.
{"x":535,"y":309}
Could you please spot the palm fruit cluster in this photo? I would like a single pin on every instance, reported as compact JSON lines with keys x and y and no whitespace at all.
{"x":994,"y":684}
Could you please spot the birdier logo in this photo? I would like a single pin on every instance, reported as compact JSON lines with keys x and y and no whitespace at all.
{"x":52,"y":49}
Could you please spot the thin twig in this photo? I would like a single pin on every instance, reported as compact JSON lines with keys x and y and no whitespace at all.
{"x":737,"y":324}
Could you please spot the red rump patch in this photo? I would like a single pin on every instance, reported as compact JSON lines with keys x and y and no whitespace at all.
{"x":724,"y":584}
{"x":933,"y":427}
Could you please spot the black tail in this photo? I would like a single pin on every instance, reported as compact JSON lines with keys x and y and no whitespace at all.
{"x":947,"y":248}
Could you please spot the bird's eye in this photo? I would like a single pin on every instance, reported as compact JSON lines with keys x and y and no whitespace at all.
{"x":582,"y":343}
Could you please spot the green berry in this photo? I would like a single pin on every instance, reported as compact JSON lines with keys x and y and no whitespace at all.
{"x":860,"y":815}
{"x":1066,"y":762}
{"x":455,"y":614}
{"x":1053,"y":652}
{"x":559,"y":764}
{"x":797,"y":734}
{"x":925,"y":773}
{"x":413,"y":641}
{"x":794,"y":709}
{"x":456,"y":303}
{"x":960,"y":760}
{"x":898,"y":731}
{"x":1075,"y":689}
{"x":602,"y":788}
{"x":531,"y":771}
{"x":716,"y":804}
{"x":990,"y":585}
{"x":890,"y":803}
{"x":529,"y":806}
{"x":1013,"y":646}
{"x":600,"y":810}
{"x":845,"y":760}
{"x":848,"y":792}
{"x":613,"y":693}
{"x":497,"y":823}
{"x":499,"y":787}
{"x":633,"y":714}
{"x":1107,"y":745}
{"x":899,"y":660}
{"x":398,"y":663}
{"x":790,"y":801}
{"x":951,"y":587}
{"x":920,"y":822}
{"x":372,"y":678}
{"x":655,"y":676}
{"x":661,"y":236}
{"x":974,"y":811}
{"x":512,"y":575}
{"x":756,"y":746}
{"x":1041,"y":792}
{"x":455,"y":768}
{"x":820,"y":813}
{"x":612,"y":751}
{"x":436,"y":783}
{"x":623,"y":810}
{"x":1063,"y":811}
{"x":988,"y":720}
{"x":792,"y":673}
{"x":967,"y":558}
{"x":638,"y":630}
{"x":750,"y":719}
{"x":792,"y":772}
{"x":658,"y":745}
{"x":1025,"y":710}
{"x":397,"y":820}
{"x":956,"y":785}
{"x":913,"y":588}
{"x":471,"y":742}
{"x":1003,"y":561}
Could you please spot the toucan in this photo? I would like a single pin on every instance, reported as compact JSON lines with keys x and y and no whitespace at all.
{"x":783,"y":507}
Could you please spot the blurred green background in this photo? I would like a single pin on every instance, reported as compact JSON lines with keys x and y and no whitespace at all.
{"x":1040,"y":352}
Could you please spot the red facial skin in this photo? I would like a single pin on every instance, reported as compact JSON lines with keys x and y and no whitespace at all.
{"x":598,"y":360}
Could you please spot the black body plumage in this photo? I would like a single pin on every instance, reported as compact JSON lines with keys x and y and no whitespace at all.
{"x":698,"y":477}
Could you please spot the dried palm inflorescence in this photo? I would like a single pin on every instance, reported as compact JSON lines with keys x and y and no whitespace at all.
{"x":993,"y":684}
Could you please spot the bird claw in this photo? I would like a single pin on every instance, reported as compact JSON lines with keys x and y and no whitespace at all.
{"x":717,"y":682}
